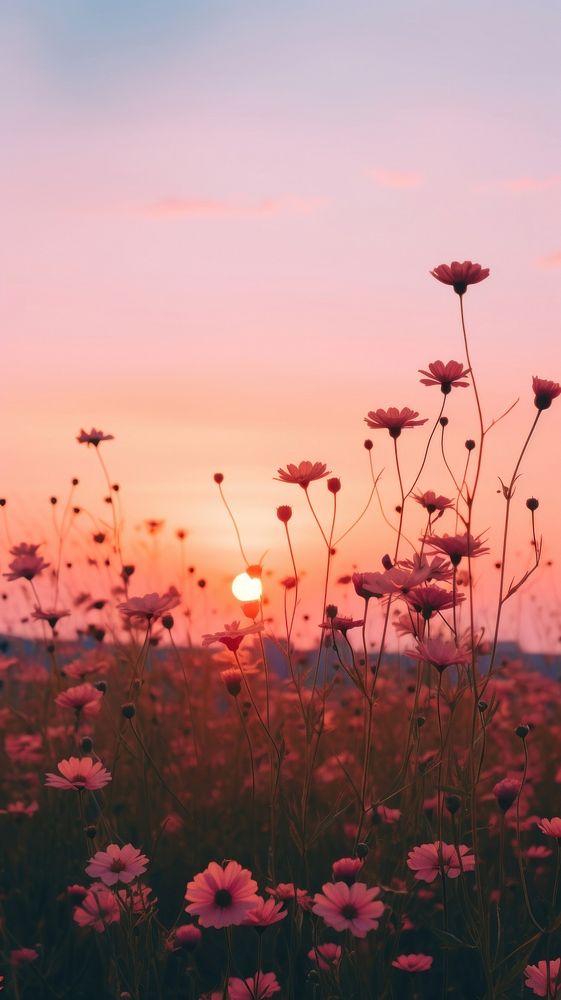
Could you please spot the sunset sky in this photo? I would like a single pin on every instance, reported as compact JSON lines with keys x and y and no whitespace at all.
{"x":218,"y":224}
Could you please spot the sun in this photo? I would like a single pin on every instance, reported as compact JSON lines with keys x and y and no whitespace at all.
{"x":246,"y":588}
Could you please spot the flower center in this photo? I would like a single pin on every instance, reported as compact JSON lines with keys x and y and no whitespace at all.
{"x":349,"y":912}
{"x":223,"y":898}
{"x":117,"y":865}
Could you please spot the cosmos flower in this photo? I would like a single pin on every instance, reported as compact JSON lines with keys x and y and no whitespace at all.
{"x":84,"y":699}
{"x":448,"y":376}
{"x":457,"y":546}
{"x":426,"y":601}
{"x":506,"y":792}
{"x":117,"y":864}
{"x":149,"y":608}
{"x":265,"y":913}
{"x":327,"y":956}
{"x":544,"y":392}
{"x":354,"y":908}
{"x":233,"y":635}
{"x":440,"y":653}
{"x":93,"y":437}
{"x":551,"y":827}
{"x":433,"y":503}
{"x":51,"y":616}
{"x":346,"y":869}
{"x":342,"y":624}
{"x":258,"y":987}
{"x":288,"y":892}
{"x":26,"y":566}
{"x":413,"y":963}
{"x":537,"y":976}
{"x":460,"y":275}
{"x":430,"y":860}
{"x":98,"y":909}
{"x":222,"y":897}
{"x":393,"y":420}
{"x":78,"y":773}
{"x":302,"y":474}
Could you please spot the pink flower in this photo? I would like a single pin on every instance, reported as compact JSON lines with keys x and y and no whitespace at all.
{"x":460,"y":275}
{"x":506,"y":792}
{"x":426,"y":601}
{"x":393,"y":420}
{"x":342,"y":624}
{"x":258,"y":987}
{"x":78,"y":773}
{"x":446,"y":376}
{"x":302,"y":474}
{"x":289,"y":893}
{"x":432,"y":503}
{"x":267,"y":912}
{"x":457,"y":546}
{"x":51,"y":616}
{"x":22,"y":956}
{"x":26,"y":565}
{"x":85,"y":699}
{"x":352,"y":908}
{"x":430,"y":860}
{"x":440,"y":653}
{"x":93,"y":437}
{"x":327,"y":956}
{"x":413,"y":963}
{"x":346,"y":869}
{"x":551,"y":827}
{"x":117,"y":864}
{"x":232,"y":635}
{"x":98,"y":909}
{"x":186,"y":936}
{"x":221,"y":897}
{"x":388,"y":815}
{"x":19,"y":808}
{"x":537,"y":976}
{"x":544,"y":392}
{"x":150,"y":607}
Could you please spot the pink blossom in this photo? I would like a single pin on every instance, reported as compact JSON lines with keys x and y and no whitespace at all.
{"x":267,"y":912}
{"x":447,"y":376}
{"x":388,"y":815}
{"x":186,"y":936}
{"x":150,"y":607}
{"x":98,"y":909}
{"x":506,"y":792}
{"x":354,"y":908}
{"x":22,"y":956}
{"x":460,"y":275}
{"x":26,"y":566}
{"x":233,"y":635}
{"x":457,"y":546}
{"x":346,"y":869}
{"x":430,"y":860}
{"x":222,"y":897}
{"x":413,"y":963}
{"x":84,"y":699}
{"x":51,"y":616}
{"x":426,"y":601}
{"x":94,"y":437}
{"x":551,"y":827}
{"x":433,"y":503}
{"x":117,"y":864}
{"x":78,"y":773}
{"x":537,"y":978}
{"x":302,"y":474}
{"x":327,"y":956}
{"x":258,"y":987}
{"x":288,"y":892}
{"x":393,"y":420}
{"x":440,"y":653}
{"x":544,"y":392}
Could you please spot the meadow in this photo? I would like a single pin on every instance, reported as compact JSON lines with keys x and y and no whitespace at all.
{"x":194,"y":821}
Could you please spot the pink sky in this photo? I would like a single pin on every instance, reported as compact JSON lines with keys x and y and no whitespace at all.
{"x":218,"y":229}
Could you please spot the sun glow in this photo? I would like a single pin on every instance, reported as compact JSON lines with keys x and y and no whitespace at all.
{"x":246,"y":587}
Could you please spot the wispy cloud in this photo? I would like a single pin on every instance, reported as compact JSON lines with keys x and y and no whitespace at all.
{"x":521,"y":185}
{"x":217,"y":207}
{"x":550,"y":260}
{"x":399,"y":179}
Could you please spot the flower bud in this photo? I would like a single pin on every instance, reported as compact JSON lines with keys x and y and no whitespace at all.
{"x":532,"y":504}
